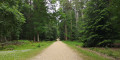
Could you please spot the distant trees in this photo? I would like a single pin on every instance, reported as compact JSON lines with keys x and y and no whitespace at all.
{"x":26,"y":19}
{"x":67,"y":26}
{"x":94,"y":22}
{"x":114,"y":16}
{"x":40,"y":24}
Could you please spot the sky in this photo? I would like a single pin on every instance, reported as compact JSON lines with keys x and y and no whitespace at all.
{"x":52,"y":7}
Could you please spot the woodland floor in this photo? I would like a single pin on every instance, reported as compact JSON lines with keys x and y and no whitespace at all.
{"x":58,"y":51}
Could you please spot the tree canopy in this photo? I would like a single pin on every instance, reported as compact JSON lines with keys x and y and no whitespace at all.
{"x":93,"y":22}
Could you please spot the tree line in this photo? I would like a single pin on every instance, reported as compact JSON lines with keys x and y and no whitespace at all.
{"x":93,"y":22}
{"x":26,"y":19}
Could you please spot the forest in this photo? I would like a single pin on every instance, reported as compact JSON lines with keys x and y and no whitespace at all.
{"x":94,"y":23}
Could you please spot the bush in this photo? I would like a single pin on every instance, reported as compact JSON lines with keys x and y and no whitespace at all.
{"x":38,"y":45}
{"x":106,"y":43}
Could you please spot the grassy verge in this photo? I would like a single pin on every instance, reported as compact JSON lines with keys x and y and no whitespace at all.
{"x":87,"y":55}
{"x":113,"y":52}
{"x":23,"y":51}
{"x":117,"y":41}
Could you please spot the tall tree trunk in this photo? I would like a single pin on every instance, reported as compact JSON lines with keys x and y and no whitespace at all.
{"x":66,"y":32}
{"x":81,"y":14}
{"x":1,"y":39}
{"x":76,"y":16}
{"x":5,"y":39}
{"x":38,"y":37}
{"x":30,"y":2}
{"x":71,"y":29}
{"x":34,"y":38}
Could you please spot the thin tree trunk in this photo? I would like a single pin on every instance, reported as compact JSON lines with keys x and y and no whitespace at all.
{"x":77,"y":18}
{"x":30,"y":2}
{"x":34,"y":38}
{"x":66,"y":32}
{"x":0,"y":39}
{"x":5,"y":39}
{"x":71,"y":29}
{"x":81,"y":13}
{"x":38,"y":37}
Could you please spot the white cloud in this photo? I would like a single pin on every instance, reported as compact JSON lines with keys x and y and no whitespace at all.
{"x":57,"y":5}
{"x":52,"y":7}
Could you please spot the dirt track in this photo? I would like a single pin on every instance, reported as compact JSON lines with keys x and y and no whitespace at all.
{"x":57,"y":51}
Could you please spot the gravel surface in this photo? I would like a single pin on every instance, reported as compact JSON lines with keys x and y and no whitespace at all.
{"x":13,"y":51}
{"x":57,"y":51}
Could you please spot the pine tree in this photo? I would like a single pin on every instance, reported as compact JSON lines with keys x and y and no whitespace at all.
{"x":98,"y":29}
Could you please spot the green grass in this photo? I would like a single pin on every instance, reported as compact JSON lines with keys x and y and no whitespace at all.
{"x":117,"y":41}
{"x":87,"y":55}
{"x":23,"y":51}
{"x":114,"y":52}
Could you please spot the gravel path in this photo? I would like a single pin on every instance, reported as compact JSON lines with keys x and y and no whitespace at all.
{"x":13,"y":51}
{"x":57,"y":51}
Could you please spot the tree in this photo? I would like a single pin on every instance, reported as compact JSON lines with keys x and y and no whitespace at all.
{"x":98,"y":26}
{"x":40,"y":24}
{"x":11,"y":19}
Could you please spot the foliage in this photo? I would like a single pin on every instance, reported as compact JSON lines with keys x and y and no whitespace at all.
{"x":98,"y":28}
{"x":93,"y":22}
{"x":40,"y":24}
{"x":11,"y":19}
